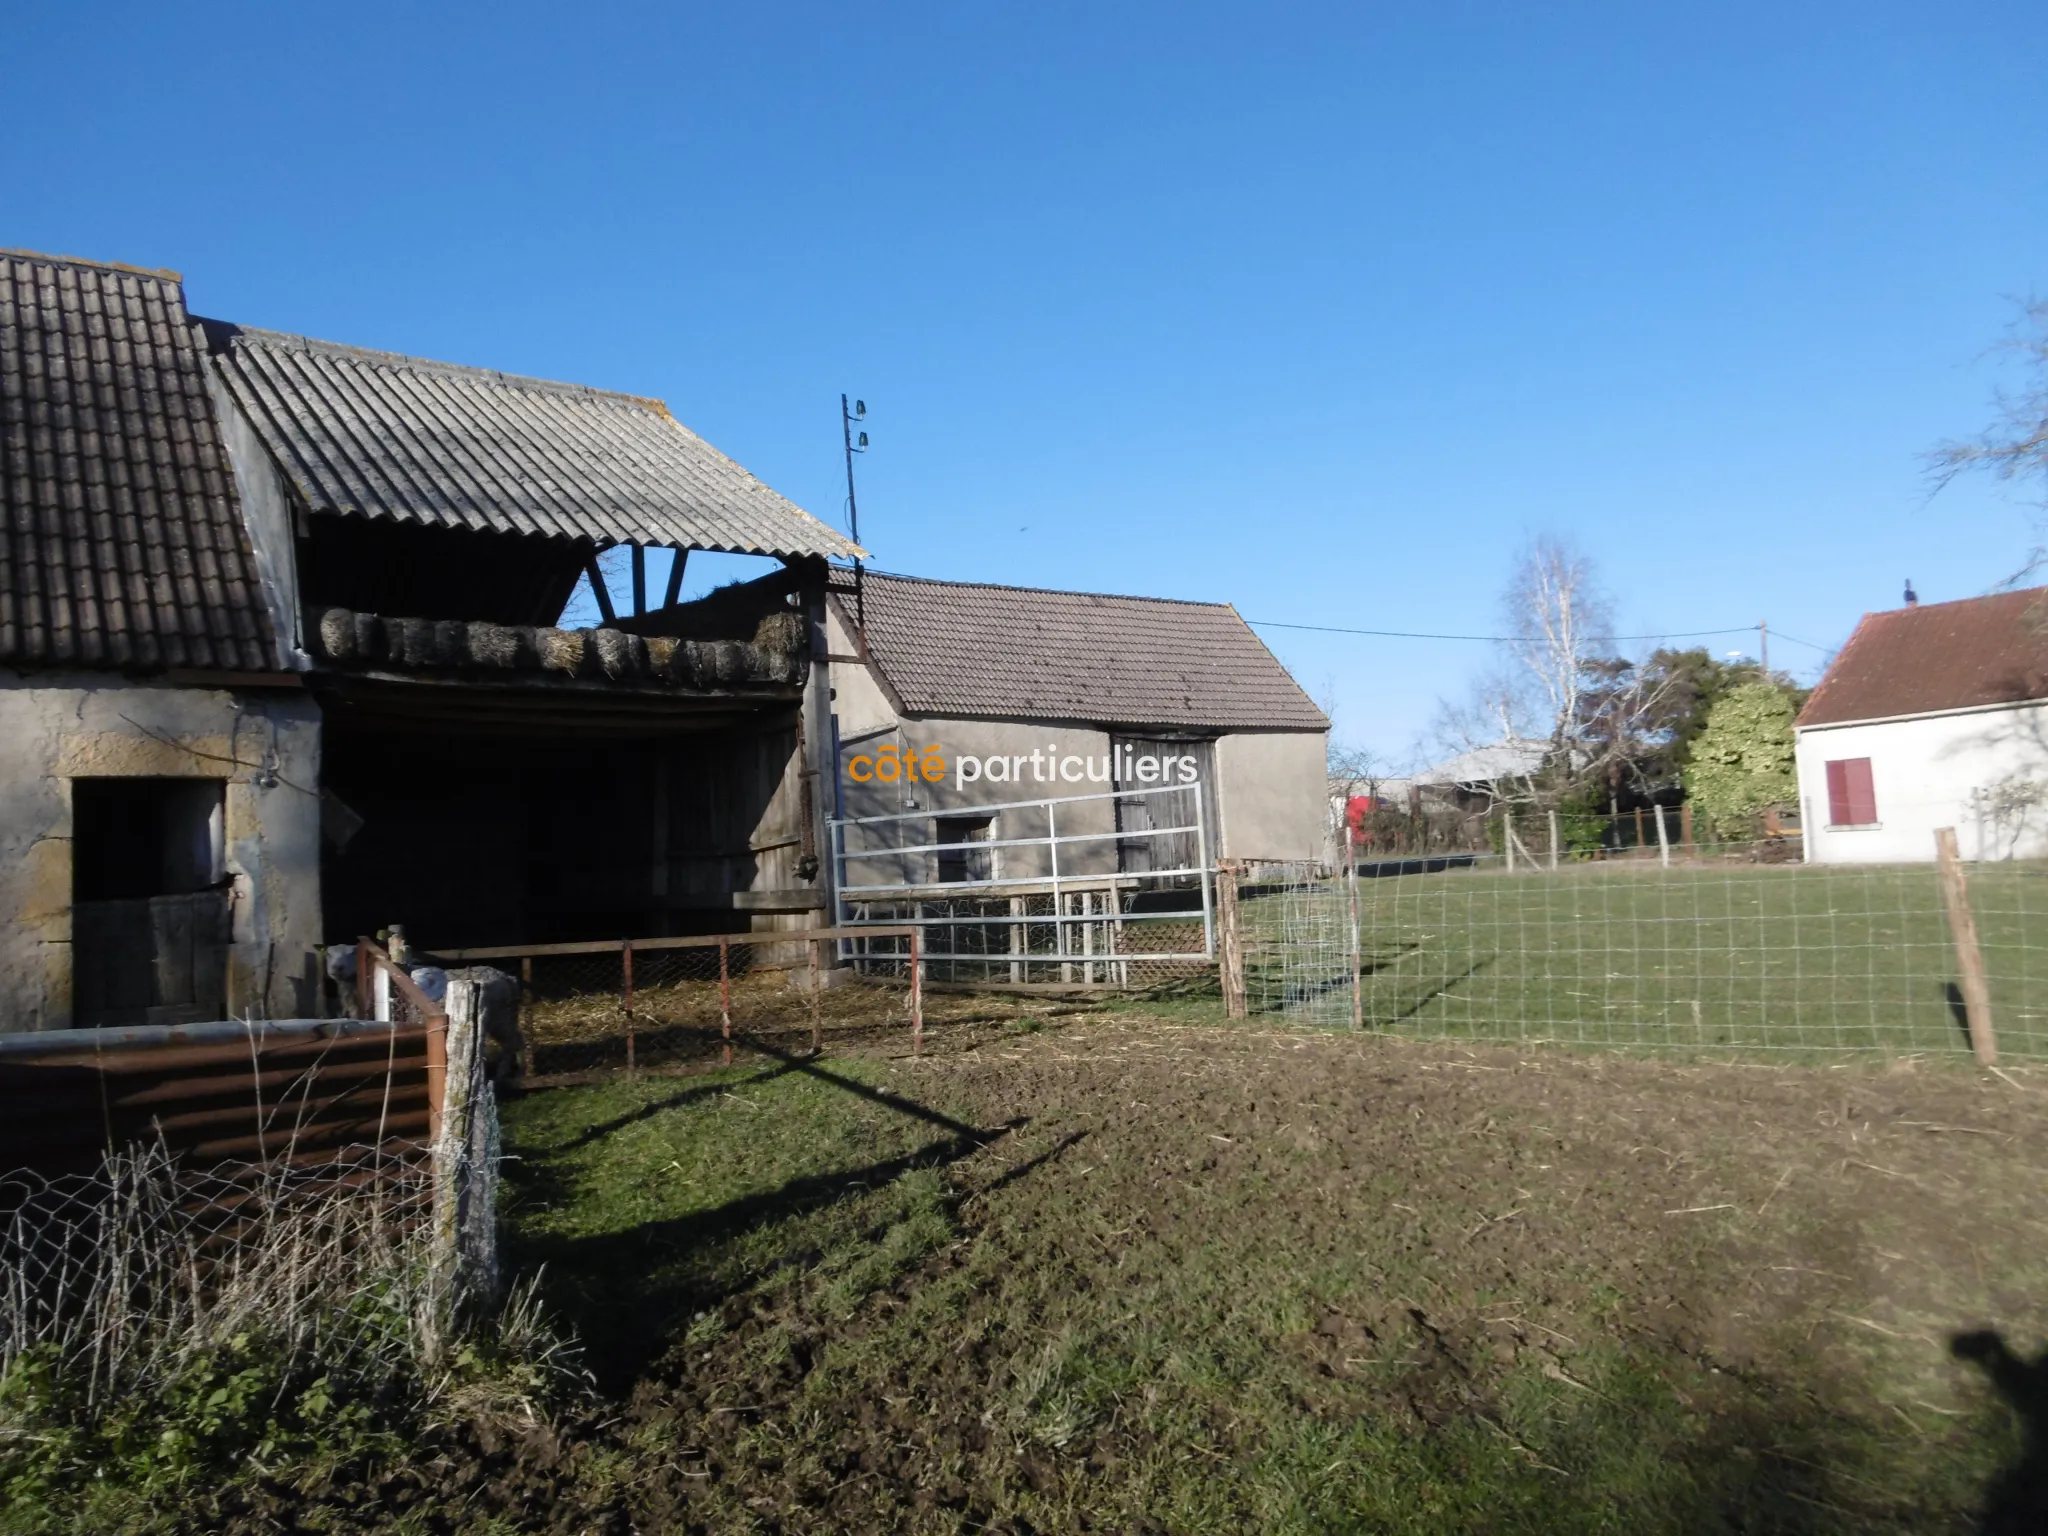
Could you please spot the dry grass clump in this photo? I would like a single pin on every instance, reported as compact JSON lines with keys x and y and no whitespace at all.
{"x":160,"y":1328}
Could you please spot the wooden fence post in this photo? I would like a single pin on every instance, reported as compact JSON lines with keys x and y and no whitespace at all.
{"x":1685,"y":828}
{"x":1962,"y":926}
{"x":1355,"y":944}
{"x":916,"y":995}
{"x":626,"y":995}
{"x":817,"y":996}
{"x":526,"y":1008}
{"x":1230,"y":939}
{"x":725,"y":998}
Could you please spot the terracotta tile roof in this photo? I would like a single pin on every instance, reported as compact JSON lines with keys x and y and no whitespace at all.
{"x":375,"y":434}
{"x":1022,"y":653}
{"x":1937,"y":656}
{"x":121,"y":537}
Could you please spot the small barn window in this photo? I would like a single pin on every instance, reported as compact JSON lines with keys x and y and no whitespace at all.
{"x":957,"y":864}
{"x":1852,"y":798}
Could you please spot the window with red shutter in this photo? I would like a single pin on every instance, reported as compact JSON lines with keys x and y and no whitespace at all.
{"x":1852,"y":795}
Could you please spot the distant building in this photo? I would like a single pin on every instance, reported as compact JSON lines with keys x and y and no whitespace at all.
{"x":1485,"y":774}
{"x":1073,"y":692}
{"x":1933,"y":715}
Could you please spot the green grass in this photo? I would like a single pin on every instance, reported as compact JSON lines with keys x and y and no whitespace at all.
{"x":1115,"y":1319}
{"x":1713,"y":956}
{"x":646,"y":1202}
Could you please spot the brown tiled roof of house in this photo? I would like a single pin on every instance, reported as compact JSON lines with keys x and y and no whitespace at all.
{"x":121,"y":537}
{"x":1968,"y":654}
{"x":1023,"y":653}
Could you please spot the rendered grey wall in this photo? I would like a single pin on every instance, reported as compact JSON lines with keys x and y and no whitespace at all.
{"x":1274,"y":794}
{"x":58,"y":727}
{"x":953,"y":797}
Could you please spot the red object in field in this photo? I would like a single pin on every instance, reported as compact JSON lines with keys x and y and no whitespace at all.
{"x":1356,"y":809}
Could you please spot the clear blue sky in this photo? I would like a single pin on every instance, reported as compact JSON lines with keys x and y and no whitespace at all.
{"x":1316,"y":310}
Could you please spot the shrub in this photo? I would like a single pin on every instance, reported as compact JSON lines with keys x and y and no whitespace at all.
{"x":1742,"y":762}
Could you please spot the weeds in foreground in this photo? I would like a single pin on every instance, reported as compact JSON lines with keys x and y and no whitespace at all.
{"x":162,"y":1333}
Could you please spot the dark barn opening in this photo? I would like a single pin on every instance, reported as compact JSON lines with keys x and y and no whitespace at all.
{"x":150,"y":916}
{"x":541,"y":830}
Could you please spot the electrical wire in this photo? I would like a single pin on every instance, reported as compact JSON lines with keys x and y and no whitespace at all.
{"x":1402,"y":634}
{"x":1825,"y":650}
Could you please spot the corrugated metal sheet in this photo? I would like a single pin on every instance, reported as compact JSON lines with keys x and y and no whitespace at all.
{"x":374,"y":434}
{"x":1937,"y":656}
{"x":1022,"y":653}
{"x":121,"y":537}
{"x":212,"y":1093}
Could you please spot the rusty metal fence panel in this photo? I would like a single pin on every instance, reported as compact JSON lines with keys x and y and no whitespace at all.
{"x":685,"y":1003}
{"x":297,"y":1090}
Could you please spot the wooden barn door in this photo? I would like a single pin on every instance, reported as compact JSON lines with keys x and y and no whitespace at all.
{"x":1139,"y":855}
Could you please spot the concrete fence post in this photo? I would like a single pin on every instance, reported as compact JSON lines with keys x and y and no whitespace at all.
{"x":463,"y":1262}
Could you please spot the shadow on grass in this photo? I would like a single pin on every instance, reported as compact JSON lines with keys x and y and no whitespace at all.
{"x":2018,"y":1500}
{"x":627,"y":1293}
{"x":676,"y":1100}
{"x":1431,"y":994}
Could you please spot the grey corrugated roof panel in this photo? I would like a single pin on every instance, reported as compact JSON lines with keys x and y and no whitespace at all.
{"x":1025,"y":653}
{"x":378,"y":434}
{"x":122,"y":543}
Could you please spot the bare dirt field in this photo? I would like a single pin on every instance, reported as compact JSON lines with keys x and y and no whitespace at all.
{"x":1123,"y":1273}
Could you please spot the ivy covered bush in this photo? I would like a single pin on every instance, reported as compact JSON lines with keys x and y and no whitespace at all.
{"x":1742,"y":762}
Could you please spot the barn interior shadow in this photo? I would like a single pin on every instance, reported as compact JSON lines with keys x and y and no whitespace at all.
{"x":2017,"y":1499}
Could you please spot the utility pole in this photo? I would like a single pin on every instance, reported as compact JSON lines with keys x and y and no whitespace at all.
{"x":1763,"y":629}
{"x":846,"y":420}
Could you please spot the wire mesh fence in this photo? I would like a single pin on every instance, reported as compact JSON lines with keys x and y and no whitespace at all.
{"x":126,"y":1273}
{"x":1738,"y":952}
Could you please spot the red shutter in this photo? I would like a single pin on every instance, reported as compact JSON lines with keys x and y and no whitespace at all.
{"x":1852,"y":797}
{"x":1862,"y":793}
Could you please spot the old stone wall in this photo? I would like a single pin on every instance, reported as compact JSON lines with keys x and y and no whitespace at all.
{"x":263,"y":744}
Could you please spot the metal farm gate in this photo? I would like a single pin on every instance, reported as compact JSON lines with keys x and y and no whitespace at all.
{"x":1104,"y":890}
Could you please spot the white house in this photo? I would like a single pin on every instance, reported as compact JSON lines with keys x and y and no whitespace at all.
{"x":1933,"y":715}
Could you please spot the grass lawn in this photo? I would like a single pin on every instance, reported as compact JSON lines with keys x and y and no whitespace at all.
{"x":1714,"y":955}
{"x":1130,"y":1275}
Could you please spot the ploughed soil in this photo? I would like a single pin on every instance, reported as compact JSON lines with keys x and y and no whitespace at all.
{"x":1124,"y":1273}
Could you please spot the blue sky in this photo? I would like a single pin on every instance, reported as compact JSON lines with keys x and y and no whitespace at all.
{"x":1318,"y":310}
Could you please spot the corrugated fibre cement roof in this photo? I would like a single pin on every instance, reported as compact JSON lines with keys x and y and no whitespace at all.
{"x":376,"y":434}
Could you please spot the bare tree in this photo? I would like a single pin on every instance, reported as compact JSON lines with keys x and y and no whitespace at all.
{"x":614,"y":562}
{"x":1579,"y":712}
{"x":1558,"y":619}
{"x":1354,"y":771}
{"x":2015,"y":447}
{"x":1553,"y":614}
